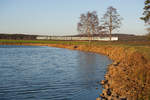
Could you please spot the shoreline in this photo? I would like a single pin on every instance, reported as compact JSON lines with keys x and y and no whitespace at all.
{"x":127,"y":78}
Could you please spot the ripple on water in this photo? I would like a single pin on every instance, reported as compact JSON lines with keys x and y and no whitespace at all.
{"x":46,"y":73}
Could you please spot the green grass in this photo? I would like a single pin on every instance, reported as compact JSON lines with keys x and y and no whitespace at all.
{"x":116,"y":43}
{"x":44,"y":42}
{"x":143,"y":47}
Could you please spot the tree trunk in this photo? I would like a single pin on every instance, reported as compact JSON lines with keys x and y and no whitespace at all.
{"x":110,"y":27}
{"x":89,"y":38}
{"x":89,"y":35}
{"x":110,"y":31}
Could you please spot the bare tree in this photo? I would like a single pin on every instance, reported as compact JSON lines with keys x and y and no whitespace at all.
{"x":88,"y":23}
{"x":111,"y":20}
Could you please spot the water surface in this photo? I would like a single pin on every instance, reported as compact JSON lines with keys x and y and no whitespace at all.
{"x":47,"y":73}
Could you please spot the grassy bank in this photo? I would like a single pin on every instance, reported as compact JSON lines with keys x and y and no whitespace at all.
{"x":128,"y":77}
{"x":142,"y":47}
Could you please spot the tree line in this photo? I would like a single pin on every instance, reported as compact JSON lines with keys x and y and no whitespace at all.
{"x":90,"y":24}
{"x":18,"y":36}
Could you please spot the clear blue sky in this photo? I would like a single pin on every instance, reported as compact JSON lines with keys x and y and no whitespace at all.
{"x":60,"y":17}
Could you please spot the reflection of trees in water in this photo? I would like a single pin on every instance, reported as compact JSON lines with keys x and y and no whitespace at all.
{"x":87,"y":68}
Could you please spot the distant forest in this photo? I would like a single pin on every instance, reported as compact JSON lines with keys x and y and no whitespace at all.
{"x":18,"y":36}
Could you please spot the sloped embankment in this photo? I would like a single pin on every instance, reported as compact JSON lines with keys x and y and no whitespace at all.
{"x":128,"y":77}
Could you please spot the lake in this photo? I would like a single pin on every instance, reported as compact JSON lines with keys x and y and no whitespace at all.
{"x":48,"y":73}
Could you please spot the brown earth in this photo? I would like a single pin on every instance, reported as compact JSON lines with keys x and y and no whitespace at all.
{"x":128,"y":78}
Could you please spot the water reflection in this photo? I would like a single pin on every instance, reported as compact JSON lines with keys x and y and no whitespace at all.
{"x":87,"y":69}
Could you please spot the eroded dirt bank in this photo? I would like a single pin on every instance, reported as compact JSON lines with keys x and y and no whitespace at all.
{"x":128,"y":78}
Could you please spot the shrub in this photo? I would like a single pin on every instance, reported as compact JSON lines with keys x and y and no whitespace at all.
{"x":148,"y":35}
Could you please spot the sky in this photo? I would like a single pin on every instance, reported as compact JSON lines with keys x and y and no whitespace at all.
{"x":60,"y":17}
